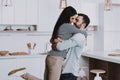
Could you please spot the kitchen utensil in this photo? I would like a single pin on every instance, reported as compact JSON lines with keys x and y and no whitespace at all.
{"x":29,"y":45}
{"x":34,"y":45}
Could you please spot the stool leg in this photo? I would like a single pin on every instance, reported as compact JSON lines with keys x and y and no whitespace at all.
{"x":97,"y":77}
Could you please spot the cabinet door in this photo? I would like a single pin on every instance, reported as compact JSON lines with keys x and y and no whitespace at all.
{"x":20,"y":11}
{"x":0,"y":12}
{"x":7,"y":14}
{"x":7,"y":65}
{"x":32,"y":12}
{"x":35,"y":66}
{"x":48,"y":14}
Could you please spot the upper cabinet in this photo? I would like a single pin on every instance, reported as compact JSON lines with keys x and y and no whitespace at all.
{"x":20,"y":12}
{"x":48,"y":14}
{"x":112,"y":17}
{"x":32,"y":12}
{"x":0,"y":12}
{"x":7,"y":13}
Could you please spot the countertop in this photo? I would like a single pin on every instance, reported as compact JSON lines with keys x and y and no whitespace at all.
{"x":43,"y":55}
{"x":102,"y":55}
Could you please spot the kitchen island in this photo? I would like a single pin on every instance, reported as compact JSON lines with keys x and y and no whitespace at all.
{"x":101,"y":60}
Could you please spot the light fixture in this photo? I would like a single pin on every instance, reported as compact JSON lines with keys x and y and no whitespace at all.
{"x":63,"y":4}
{"x":108,"y":5}
{"x":7,"y":3}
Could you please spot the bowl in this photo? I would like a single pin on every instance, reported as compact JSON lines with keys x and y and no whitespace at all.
{"x":3,"y":53}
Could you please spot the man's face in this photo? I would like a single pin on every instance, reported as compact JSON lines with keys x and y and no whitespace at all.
{"x":79,"y":22}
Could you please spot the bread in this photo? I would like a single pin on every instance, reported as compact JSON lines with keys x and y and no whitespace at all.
{"x":18,"y":53}
{"x":3,"y":53}
{"x":16,"y":70}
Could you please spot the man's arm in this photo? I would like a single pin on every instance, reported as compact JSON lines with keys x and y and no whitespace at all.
{"x":72,"y":42}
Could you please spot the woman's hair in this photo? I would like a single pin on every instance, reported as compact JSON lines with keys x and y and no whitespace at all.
{"x":63,"y":18}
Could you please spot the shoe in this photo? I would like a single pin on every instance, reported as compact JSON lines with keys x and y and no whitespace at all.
{"x":14,"y":71}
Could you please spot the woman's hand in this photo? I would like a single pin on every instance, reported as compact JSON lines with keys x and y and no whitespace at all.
{"x":58,"y":39}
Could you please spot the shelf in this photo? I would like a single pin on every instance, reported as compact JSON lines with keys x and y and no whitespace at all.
{"x":115,"y":4}
{"x":17,"y":28}
{"x":25,"y":33}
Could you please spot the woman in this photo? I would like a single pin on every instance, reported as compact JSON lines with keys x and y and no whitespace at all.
{"x":64,"y":29}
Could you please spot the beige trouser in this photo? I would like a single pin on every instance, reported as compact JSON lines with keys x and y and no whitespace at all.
{"x":53,"y":67}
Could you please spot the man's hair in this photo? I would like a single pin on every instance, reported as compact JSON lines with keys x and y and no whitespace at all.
{"x":85,"y":18}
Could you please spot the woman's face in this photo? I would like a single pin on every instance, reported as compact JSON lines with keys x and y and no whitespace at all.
{"x":73,"y":19}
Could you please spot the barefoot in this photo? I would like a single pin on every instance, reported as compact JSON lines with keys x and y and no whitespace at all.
{"x":24,"y":76}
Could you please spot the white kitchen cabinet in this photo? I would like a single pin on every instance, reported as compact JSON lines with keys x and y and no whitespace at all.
{"x":7,"y":15}
{"x":32,"y":12}
{"x":48,"y":14}
{"x":34,"y":65}
{"x":5,"y":66}
{"x":26,"y":12}
{"x":0,"y":13}
{"x":21,"y":12}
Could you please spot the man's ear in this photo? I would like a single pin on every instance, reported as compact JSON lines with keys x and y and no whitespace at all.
{"x":83,"y":26}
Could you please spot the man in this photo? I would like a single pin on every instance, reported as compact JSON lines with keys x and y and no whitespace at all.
{"x":75,"y":44}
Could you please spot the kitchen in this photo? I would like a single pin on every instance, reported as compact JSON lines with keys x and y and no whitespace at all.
{"x":35,"y":21}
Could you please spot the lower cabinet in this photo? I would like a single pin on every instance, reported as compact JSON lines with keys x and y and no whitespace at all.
{"x":34,"y":65}
{"x":112,"y":69}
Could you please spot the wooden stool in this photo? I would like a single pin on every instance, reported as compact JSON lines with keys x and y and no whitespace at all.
{"x":97,"y":72}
